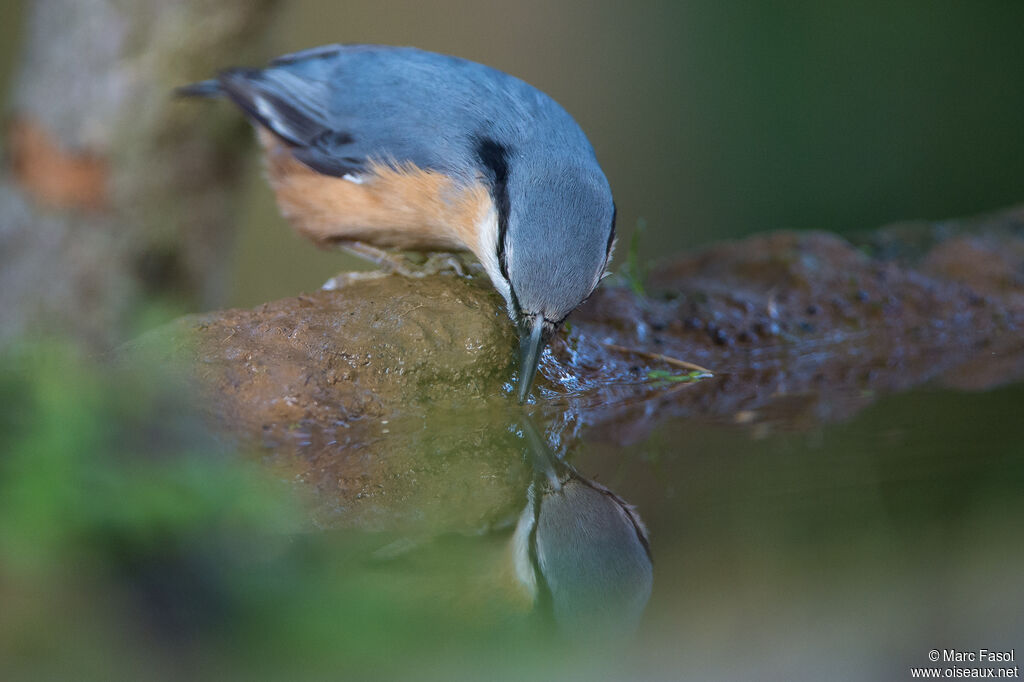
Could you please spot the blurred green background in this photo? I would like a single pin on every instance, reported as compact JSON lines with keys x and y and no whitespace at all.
{"x":713,"y":119}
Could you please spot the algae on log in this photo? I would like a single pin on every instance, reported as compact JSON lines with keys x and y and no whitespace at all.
{"x":112,"y":191}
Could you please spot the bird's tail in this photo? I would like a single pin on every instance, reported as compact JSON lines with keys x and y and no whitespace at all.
{"x":210,"y":88}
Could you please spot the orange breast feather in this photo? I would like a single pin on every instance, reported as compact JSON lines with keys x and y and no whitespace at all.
{"x":408,"y":208}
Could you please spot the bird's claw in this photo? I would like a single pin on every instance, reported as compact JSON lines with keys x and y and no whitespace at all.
{"x":398,"y":263}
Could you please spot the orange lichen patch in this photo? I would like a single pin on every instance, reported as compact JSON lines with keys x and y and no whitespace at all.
{"x":53,"y":175}
{"x":406,"y":208}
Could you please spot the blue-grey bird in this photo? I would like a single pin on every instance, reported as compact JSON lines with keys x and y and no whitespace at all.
{"x":580,"y":550}
{"x":396,"y":147}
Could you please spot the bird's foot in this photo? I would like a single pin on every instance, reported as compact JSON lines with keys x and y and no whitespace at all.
{"x":442,"y":262}
{"x":401,"y":264}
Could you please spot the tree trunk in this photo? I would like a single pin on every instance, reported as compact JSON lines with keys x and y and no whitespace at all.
{"x":112,"y":192}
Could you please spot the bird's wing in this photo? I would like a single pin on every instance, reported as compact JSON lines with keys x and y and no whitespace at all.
{"x":294,"y":108}
{"x":342,"y":107}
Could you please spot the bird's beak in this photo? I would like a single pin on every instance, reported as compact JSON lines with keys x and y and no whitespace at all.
{"x":531,"y":344}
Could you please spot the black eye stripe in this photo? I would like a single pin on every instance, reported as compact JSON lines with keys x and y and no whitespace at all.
{"x":494,"y":157}
{"x":611,"y":235}
{"x":512,"y":293}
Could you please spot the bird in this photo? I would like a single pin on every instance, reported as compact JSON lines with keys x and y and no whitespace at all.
{"x":373,"y":147}
{"x":579,"y":551}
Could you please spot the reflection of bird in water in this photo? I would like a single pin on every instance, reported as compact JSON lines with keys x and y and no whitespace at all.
{"x":435,"y":508}
{"x":581,"y":550}
{"x":371,"y":146}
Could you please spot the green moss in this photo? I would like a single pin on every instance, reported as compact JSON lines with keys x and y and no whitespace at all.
{"x":633,"y":272}
{"x":130,"y":536}
{"x":664,"y":376}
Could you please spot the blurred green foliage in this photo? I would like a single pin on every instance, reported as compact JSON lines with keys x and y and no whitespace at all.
{"x":634,"y":271}
{"x":134,"y":545}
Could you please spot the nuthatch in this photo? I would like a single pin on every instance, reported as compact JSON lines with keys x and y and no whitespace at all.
{"x":581,"y":549}
{"x":401,"y":148}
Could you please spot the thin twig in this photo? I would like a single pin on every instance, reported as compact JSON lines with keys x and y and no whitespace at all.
{"x":658,"y":356}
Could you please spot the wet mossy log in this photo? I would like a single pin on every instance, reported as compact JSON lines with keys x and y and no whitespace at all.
{"x":797,"y":327}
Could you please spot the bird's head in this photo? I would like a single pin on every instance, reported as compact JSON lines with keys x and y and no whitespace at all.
{"x":553,"y":251}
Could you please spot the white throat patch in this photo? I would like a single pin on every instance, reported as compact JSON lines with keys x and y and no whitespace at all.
{"x":522,"y":562}
{"x":487,"y":252}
